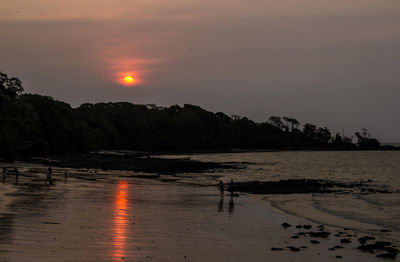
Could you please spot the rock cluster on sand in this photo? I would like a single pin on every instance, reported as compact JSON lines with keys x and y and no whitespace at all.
{"x":131,"y":162}
{"x":389,"y":251}
{"x":302,"y":186}
{"x":382,"y":248}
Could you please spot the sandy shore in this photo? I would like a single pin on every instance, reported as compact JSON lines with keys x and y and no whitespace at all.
{"x":109,"y":216}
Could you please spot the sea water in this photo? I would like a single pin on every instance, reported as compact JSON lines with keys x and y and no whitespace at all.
{"x":380,"y":168}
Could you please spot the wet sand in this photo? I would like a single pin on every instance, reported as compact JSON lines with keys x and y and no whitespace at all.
{"x":109,"y":216}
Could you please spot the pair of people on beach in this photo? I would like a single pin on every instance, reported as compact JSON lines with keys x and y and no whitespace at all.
{"x":5,"y":174}
{"x":231,"y":187}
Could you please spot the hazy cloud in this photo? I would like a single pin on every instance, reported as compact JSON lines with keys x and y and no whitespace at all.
{"x":334,"y":63}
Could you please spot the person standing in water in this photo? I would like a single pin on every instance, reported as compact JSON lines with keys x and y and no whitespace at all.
{"x":16,"y":175}
{"x":231,"y":187}
{"x":4,"y":174}
{"x":49,"y":176}
{"x":221,"y":188}
{"x":231,"y":190}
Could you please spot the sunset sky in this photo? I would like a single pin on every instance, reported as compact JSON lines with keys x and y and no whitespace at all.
{"x":332,"y":63}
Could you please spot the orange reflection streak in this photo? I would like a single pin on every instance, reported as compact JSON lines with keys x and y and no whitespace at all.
{"x":120,"y":220}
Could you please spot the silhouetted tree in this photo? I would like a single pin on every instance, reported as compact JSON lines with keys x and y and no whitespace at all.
{"x":364,"y":139}
{"x":19,"y":125}
{"x":34,"y":124}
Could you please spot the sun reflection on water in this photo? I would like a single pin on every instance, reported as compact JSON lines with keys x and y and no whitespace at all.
{"x":120,"y":220}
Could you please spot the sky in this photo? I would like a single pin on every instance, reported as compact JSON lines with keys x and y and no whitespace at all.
{"x":331,"y":63}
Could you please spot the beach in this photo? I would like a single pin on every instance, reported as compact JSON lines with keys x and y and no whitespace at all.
{"x":97,"y":215}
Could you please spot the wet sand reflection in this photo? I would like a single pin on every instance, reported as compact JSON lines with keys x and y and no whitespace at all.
{"x":120,"y":220}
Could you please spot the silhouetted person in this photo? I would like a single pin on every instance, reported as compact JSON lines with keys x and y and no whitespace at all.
{"x":221,"y":204}
{"x":49,"y":176}
{"x":231,"y":187}
{"x":16,"y":175}
{"x":4,"y":174}
{"x":221,"y":188}
{"x":231,"y":204}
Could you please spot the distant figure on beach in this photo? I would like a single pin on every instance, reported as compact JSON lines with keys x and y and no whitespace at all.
{"x":49,"y":176}
{"x":4,"y":174}
{"x":16,"y":175}
{"x":231,"y":187}
{"x":221,"y":188}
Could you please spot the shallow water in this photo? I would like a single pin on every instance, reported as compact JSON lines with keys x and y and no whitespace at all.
{"x":108,"y":217}
{"x":382,"y":167}
{"x":99,"y":215}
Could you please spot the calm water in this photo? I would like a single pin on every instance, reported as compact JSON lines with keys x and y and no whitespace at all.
{"x":382,"y":167}
{"x":110,"y":216}
{"x":119,"y":218}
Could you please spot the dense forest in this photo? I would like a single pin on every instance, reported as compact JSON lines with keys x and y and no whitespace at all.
{"x":33,"y":124}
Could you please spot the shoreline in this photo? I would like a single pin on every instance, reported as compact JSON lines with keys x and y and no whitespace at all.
{"x":145,"y":153}
{"x":281,"y":245}
{"x":183,"y":221}
{"x":287,"y":204}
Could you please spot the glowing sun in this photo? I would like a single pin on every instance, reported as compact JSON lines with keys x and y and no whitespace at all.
{"x":128,"y":79}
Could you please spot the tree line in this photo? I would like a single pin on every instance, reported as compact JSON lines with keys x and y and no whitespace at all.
{"x":32,"y":124}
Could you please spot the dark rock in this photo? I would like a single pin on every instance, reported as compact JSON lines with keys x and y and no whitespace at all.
{"x":294,"y":249}
{"x":385,"y":230}
{"x":338,"y":247}
{"x":387,"y":255}
{"x":339,"y":257}
{"x":323,"y":234}
{"x":290,"y":186}
{"x":378,"y":245}
{"x":295,"y":237}
{"x":131,"y":162}
{"x":286,"y":225}
{"x":314,"y":241}
{"x":364,"y":240}
{"x":276,"y":248}
{"x":331,"y":248}
{"x":304,"y":247}
{"x":366,"y":248}
{"x":391,"y":250}
{"x":294,"y":186}
{"x":299,"y":226}
{"x":345,"y":241}
{"x":307,"y":226}
{"x":381,"y":244}
{"x":382,"y":191}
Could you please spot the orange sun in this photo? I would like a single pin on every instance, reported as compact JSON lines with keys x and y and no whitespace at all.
{"x":129,"y":79}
